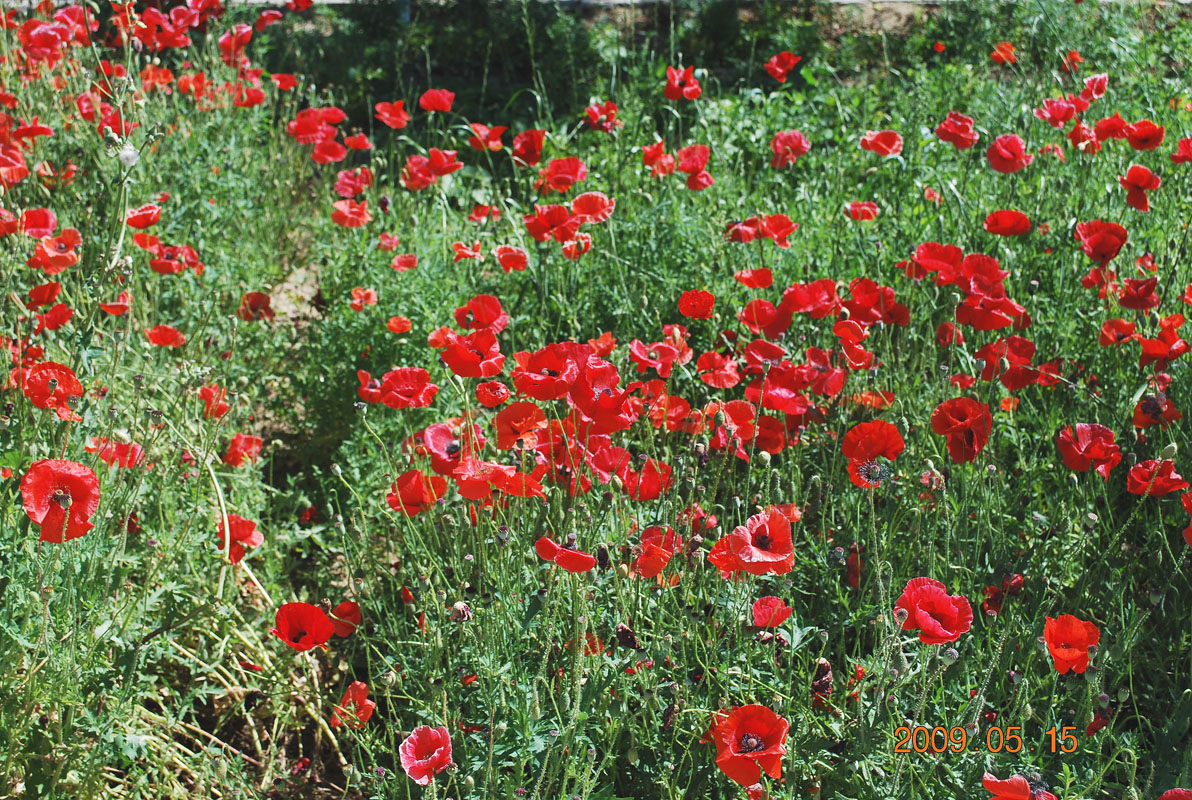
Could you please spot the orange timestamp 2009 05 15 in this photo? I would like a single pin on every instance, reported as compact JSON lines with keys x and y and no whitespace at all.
{"x":922,"y":739}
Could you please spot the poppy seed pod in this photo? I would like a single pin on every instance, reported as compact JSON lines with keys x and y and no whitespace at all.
{"x":1169,"y":451}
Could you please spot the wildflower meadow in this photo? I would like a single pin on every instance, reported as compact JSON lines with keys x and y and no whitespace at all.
{"x":630,"y":401}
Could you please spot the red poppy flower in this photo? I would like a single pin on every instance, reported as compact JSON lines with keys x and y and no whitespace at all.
{"x":770,"y":612}
{"x":1155,"y":478}
{"x":436,"y":100}
{"x":1068,"y":640}
{"x":116,"y":454}
{"x":284,"y":81}
{"x":144,"y":217}
{"x":1086,"y":446}
{"x":761,"y":278}
{"x":938,"y":616}
{"x":1139,"y":294}
{"x":404,"y":262}
{"x":476,"y":355}
{"x":780,"y":65}
{"x":118,"y":308}
{"x":1003,"y":53}
{"x":512,"y":259}
{"x":1183,"y":152}
{"x":1056,"y":113}
{"x":865,"y":211}
{"x":1144,"y":135}
{"x":966,"y":423}
{"x":486,"y":138}
{"x":424,"y":753}
{"x":552,"y":222}
{"x":414,"y":492}
{"x":1176,"y":794}
{"x":346,"y":618}
{"x":866,"y":442}
{"x":1137,"y":181}
{"x":1015,"y":787}
{"x":697,"y":304}
{"x":787,"y":147}
{"x":594,"y":207}
{"x":255,"y":306}
{"x":519,"y":423}
{"x":958,"y":131}
{"x":399,"y":325}
{"x":762,"y":546}
{"x":350,"y":214}
{"x":60,"y":497}
{"x":51,"y":385}
{"x":693,"y":160}
{"x":561,"y":174}
{"x":213,"y":397}
{"x":567,"y":555}
{"x":393,"y":114}
{"x":658,"y":545}
{"x":165,"y":336}
{"x":491,"y":394}
{"x":681,"y":84}
{"x":1008,"y":154}
{"x":1101,"y":241}
{"x":302,"y":626}
{"x":884,"y":143}
{"x":354,"y":709}
{"x":527,"y":147}
{"x":1008,"y":222}
{"x":244,"y":534}
{"x":749,"y":740}
{"x":243,"y":448}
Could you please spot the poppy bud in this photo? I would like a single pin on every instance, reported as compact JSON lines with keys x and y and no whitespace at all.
{"x":617,"y":483}
{"x":387,"y":678}
{"x":901,"y":666}
{"x":1123,"y":695}
{"x":763,"y":458}
{"x":631,"y":756}
{"x":336,"y":471}
{"x":1131,"y":459}
{"x":602,"y":559}
{"x":501,"y":727}
{"x":469,"y":783}
{"x":622,"y":571}
{"x":971,"y":729}
{"x":1169,"y":452}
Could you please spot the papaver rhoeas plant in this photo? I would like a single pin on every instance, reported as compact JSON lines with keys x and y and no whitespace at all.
{"x":425,"y":753}
{"x":928,"y":608}
{"x":302,"y":626}
{"x":864,"y":444}
{"x":1068,"y":640}
{"x":750,"y":740}
{"x":1016,"y":787}
{"x":354,"y":709}
{"x":61,"y":497}
{"x":762,"y":546}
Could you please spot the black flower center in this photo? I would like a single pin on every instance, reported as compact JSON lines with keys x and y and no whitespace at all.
{"x":751,"y":743}
{"x":763,"y":542}
{"x":297,"y":637}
